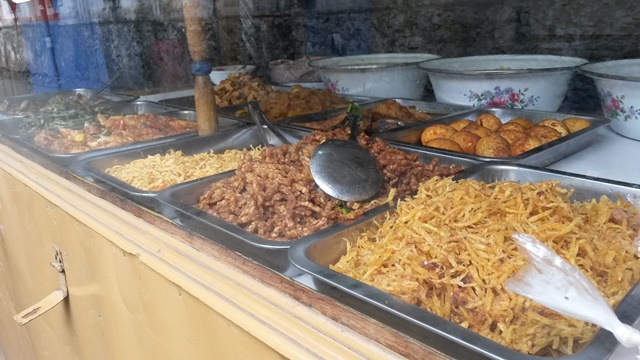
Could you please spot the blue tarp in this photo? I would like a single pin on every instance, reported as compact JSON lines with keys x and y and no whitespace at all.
{"x":64,"y":56}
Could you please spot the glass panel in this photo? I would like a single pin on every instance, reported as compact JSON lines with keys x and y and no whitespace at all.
{"x":64,"y":44}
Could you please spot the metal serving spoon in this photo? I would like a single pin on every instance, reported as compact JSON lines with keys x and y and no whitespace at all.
{"x":343,"y":168}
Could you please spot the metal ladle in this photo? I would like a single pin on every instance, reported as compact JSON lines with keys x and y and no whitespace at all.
{"x":343,"y":168}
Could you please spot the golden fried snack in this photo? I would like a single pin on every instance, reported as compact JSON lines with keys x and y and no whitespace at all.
{"x":544,"y":133}
{"x":524,"y":144}
{"x":524,"y":122}
{"x":512,"y":135}
{"x":437,"y":131}
{"x":442,"y":143}
{"x":477,"y":129}
{"x":460,"y":124}
{"x":557,"y":125}
{"x":494,"y":146}
{"x":489,"y":121}
{"x":511,"y":126}
{"x":576,"y":124}
{"x":467,"y":141}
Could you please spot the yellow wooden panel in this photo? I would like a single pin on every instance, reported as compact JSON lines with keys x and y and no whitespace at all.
{"x":118,"y":308}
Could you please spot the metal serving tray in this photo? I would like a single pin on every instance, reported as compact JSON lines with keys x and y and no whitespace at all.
{"x":433,"y":108}
{"x":125,"y":109}
{"x":273,"y":254}
{"x":93,"y":167}
{"x":233,"y":111}
{"x":108,"y":97}
{"x":66,"y":160}
{"x":540,"y":156}
{"x":138,"y":107}
{"x":188,"y":102}
{"x":190,"y":115}
{"x":11,"y":126}
{"x":184,"y":102}
{"x":314,"y":256}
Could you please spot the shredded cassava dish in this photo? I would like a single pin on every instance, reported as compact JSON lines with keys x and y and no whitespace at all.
{"x":449,"y":251}
{"x":276,"y":198}
{"x":157,"y":172}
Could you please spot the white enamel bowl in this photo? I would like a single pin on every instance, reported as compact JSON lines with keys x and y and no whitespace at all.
{"x":533,"y":82}
{"x":377,"y":75}
{"x":618,"y":84}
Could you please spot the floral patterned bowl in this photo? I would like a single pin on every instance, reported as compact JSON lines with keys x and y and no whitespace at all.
{"x":534,"y":82}
{"x":618,"y":84}
{"x":391,"y":75}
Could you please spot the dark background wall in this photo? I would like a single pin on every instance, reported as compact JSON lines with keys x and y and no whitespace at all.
{"x":146,"y":40}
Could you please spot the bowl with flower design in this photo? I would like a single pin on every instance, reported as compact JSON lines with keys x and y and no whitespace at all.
{"x":532,"y":82}
{"x":618,"y":85}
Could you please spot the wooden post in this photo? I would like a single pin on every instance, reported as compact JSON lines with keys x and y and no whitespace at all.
{"x":195,"y":14}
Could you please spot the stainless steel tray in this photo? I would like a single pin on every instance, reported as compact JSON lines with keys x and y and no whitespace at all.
{"x":11,"y":126}
{"x":129,"y":108}
{"x":540,"y":156}
{"x":138,"y":107}
{"x":188,"y":102}
{"x":436,"y":109}
{"x":314,"y":256}
{"x":66,"y":160}
{"x":224,"y":123}
{"x":240,"y":111}
{"x":183,"y":198}
{"x":183,"y":102}
{"x":92,"y":167}
{"x":108,"y":97}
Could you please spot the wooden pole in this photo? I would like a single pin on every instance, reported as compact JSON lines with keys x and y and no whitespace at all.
{"x":195,"y":14}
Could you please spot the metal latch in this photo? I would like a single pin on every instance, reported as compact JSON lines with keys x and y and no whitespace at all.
{"x":52,"y":299}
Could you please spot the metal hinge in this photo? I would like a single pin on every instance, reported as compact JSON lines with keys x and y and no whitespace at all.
{"x":52,"y":299}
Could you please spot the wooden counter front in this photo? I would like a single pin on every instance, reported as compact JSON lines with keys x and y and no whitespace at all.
{"x":141,"y":287}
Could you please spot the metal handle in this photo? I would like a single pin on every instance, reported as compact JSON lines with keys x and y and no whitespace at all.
{"x":104,"y":86}
{"x":52,"y":299}
{"x":354,"y":115}
{"x":261,"y":120}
